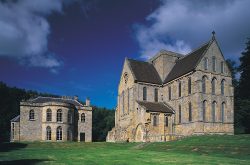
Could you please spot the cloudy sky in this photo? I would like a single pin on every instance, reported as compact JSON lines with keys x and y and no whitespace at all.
{"x":77,"y":47}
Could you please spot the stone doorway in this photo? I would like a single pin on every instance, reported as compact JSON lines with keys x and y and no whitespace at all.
{"x":82,"y":137}
{"x":139,"y":133}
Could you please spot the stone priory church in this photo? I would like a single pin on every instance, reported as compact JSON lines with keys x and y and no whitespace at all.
{"x":171,"y":96}
{"x":53,"y":119}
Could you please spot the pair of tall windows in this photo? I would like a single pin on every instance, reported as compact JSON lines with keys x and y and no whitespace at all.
{"x":189,"y":87}
{"x":189,"y":113}
{"x":144,"y":95}
{"x":205,"y":64}
{"x":58,"y":133}
{"x":213,"y":113}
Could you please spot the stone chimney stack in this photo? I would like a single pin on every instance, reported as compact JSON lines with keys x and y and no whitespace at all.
{"x":87,"y":102}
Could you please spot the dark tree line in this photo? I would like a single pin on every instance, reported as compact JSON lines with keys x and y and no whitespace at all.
{"x":10,"y":97}
{"x":242,"y":91}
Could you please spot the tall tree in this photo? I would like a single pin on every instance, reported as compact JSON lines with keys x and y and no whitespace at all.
{"x":244,"y":69}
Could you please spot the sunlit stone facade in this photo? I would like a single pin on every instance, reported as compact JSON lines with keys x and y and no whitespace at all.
{"x":172,"y":96}
{"x":53,"y":119}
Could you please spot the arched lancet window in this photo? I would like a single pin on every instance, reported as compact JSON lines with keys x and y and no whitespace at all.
{"x":190,"y":111}
{"x":169,"y":93}
{"x":59,"y":133}
{"x":144,"y":93}
{"x":48,"y":133}
{"x":204,"y":106}
{"x":179,"y":113}
{"x":213,"y":85}
{"x":222,"y":87}
{"x":179,"y":89}
{"x":205,"y":60}
{"x":156,"y":95}
{"x":189,"y":85}
{"x":213,"y":111}
{"x":32,"y":115}
{"x":214,"y":63}
{"x":166,"y":121}
{"x":48,"y":115}
{"x":204,"y":79}
{"x":154,"y":120}
{"x":59,"y":115}
{"x":222,"y":67}
{"x":69,"y":117}
{"x":223,"y":105}
{"x":83,"y":117}
{"x":123,"y":110}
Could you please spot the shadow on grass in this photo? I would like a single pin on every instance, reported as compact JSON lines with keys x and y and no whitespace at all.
{"x":23,"y":161}
{"x":5,"y":147}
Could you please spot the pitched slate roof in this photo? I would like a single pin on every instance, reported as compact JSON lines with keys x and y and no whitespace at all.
{"x":187,"y":63}
{"x":52,"y":99}
{"x":156,"y":106}
{"x":16,"y":119}
{"x":144,"y":72}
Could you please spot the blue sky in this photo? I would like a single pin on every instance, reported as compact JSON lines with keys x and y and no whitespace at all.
{"x":78,"y":47}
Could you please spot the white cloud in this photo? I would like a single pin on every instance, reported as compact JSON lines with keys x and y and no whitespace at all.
{"x":181,"y":25}
{"x":24,"y":31}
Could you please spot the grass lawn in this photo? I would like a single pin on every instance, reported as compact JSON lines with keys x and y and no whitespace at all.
{"x":193,"y":150}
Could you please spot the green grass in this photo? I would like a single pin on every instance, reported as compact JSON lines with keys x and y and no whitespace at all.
{"x":193,"y":150}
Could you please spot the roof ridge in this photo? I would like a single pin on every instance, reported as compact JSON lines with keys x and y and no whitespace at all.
{"x":138,"y":61}
{"x":194,"y":50}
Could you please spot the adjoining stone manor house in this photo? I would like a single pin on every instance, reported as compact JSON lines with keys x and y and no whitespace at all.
{"x":53,"y":119}
{"x":172,"y":95}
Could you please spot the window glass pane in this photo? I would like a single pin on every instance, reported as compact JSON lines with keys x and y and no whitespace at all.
{"x":203,"y":84}
{"x":214,"y":63}
{"x":179,"y":113}
{"x":169,"y":93}
{"x":189,"y":86}
{"x":144,"y":93}
{"x":190,"y":111}
{"x":222,"y":67}
{"x":156,"y":95}
{"x":179,"y":89}
{"x":213,"y":86}
{"x":222,"y":87}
